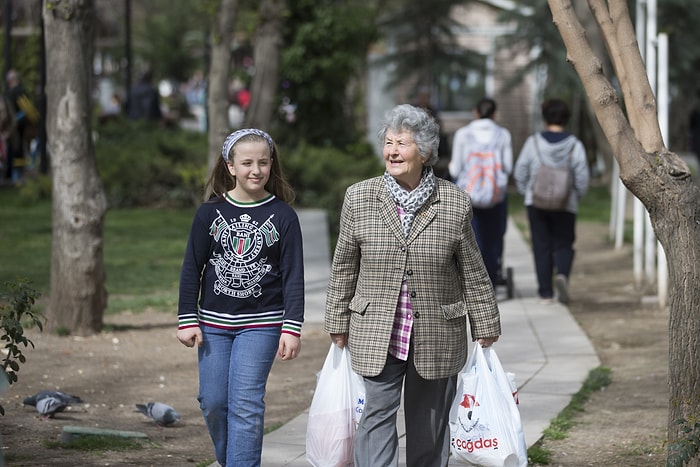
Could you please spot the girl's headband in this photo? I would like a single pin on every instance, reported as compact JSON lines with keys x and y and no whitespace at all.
{"x":238,"y":134}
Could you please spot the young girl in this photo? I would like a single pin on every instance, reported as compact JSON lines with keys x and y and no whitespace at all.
{"x":242,"y":291}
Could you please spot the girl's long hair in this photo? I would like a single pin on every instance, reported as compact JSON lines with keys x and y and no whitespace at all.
{"x":221,"y":180}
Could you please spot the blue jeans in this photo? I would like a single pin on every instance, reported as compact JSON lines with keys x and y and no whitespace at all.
{"x":233,"y":371}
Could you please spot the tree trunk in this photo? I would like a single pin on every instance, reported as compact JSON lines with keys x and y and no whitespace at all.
{"x":78,"y":297}
{"x":266,"y":54}
{"x":218,"y":98}
{"x":659,"y":178}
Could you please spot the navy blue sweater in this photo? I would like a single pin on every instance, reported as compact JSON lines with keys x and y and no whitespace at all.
{"x":243,"y":267}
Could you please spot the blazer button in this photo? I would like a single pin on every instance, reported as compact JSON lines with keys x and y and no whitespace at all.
{"x":413,"y":294}
{"x":409,"y":272}
{"x":416,"y":314}
{"x":403,"y":249}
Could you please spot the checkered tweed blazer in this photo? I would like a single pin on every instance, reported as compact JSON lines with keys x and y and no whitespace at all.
{"x":447,"y":281}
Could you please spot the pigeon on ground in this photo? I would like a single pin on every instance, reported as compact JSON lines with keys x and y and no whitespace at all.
{"x":62,"y":396}
{"x":162,"y":414}
{"x":50,"y":405}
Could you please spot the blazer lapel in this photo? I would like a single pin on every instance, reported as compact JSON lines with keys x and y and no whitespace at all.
{"x":424,"y":216}
{"x":390,"y":214}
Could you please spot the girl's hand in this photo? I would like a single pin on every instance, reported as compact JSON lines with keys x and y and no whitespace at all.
{"x":289,"y":347}
{"x":190,"y":336}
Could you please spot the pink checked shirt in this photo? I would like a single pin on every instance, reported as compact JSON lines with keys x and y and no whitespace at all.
{"x":403,"y":320}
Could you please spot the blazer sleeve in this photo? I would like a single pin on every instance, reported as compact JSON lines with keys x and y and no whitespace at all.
{"x":482,"y":308}
{"x":344,"y":272}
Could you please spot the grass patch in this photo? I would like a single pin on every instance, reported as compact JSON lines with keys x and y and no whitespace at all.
{"x":597,"y":379}
{"x":272,"y":428}
{"x":143,"y":250}
{"x":97,"y":444}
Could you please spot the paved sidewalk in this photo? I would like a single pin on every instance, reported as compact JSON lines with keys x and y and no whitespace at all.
{"x":542,"y":344}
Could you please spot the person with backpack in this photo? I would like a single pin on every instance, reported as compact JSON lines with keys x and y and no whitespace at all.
{"x":482,"y":160}
{"x":552,"y":224}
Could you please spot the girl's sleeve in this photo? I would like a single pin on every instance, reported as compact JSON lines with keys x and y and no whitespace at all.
{"x":196,"y":255}
{"x":292,"y":271}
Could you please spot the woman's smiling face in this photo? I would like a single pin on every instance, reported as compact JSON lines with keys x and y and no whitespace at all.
{"x":402,"y":158}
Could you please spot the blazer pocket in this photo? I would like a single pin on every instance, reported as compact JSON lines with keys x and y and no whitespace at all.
{"x":358,"y":304}
{"x":454,"y":310}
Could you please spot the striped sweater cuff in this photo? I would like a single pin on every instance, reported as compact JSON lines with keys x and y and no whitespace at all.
{"x":292,"y":327}
{"x":187,"y":321}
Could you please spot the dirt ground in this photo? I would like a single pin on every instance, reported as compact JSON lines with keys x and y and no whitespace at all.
{"x":139,"y":360}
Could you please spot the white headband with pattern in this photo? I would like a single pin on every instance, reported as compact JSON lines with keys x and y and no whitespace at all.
{"x":238,"y":134}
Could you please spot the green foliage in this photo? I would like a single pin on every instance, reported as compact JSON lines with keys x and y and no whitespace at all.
{"x":427,"y":47}
{"x":683,"y":451}
{"x":327,"y":44}
{"x":535,"y":30}
{"x":35,"y":189}
{"x":25,"y":56}
{"x":16,"y":313}
{"x":170,"y":36}
{"x":320,"y":176}
{"x":143,"y":165}
{"x":677,"y":19}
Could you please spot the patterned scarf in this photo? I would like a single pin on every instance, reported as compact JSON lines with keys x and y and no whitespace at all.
{"x":410,"y":201}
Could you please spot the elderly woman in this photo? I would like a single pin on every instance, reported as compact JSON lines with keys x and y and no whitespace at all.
{"x":406,"y":274}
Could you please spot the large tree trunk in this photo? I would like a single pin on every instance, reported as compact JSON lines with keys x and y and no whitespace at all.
{"x":78,"y":297}
{"x":217,"y":98}
{"x":268,"y":40}
{"x":659,"y":178}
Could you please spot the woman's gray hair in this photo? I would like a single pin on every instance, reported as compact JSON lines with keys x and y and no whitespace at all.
{"x":422,"y":126}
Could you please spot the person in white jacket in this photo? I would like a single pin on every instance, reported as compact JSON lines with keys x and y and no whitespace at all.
{"x":553,"y":232}
{"x":483,"y":135}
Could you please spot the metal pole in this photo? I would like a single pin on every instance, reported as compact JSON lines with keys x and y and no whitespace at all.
{"x":663,"y":102}
{"x":44,"y":159}
{"x":8,"y":41}
{"x":651,"y":53}
{"x":127,"y":53}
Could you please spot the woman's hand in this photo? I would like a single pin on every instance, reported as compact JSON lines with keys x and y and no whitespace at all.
{"x":289,"y":347}
{"x":487,"y":341}
{"x":190,"y":336}
{"x":340,"y":339}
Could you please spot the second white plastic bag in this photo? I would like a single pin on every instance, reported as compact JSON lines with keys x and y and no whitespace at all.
{"x":335,"y":411}
{"x":485,"y":425}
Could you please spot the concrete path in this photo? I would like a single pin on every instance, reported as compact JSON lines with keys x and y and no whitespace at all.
{"x":542,"y":344}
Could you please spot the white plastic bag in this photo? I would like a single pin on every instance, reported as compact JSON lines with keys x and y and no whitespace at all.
{"x":485,"y":425}
{"x":335,"y":411}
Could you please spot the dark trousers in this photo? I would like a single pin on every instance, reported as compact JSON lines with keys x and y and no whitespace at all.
{"x":553,"y":234}
{"x":489,"y":226}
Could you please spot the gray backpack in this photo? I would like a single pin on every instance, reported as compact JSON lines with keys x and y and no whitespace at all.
{"x":552,"y":185}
